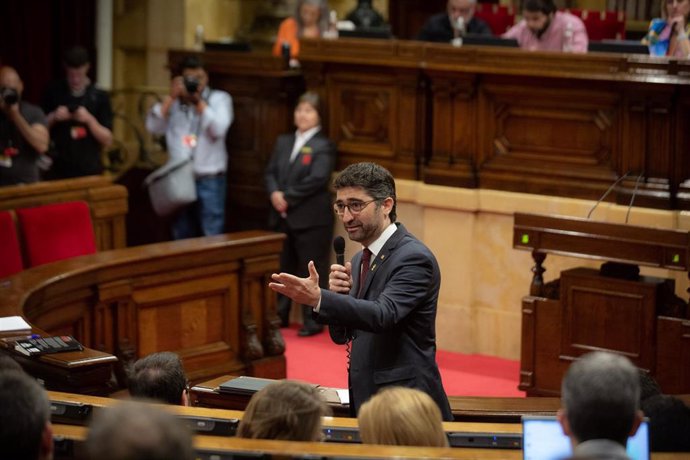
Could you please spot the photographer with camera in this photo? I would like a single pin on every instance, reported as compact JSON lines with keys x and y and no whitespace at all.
{"x":23,"y":132}
{"x":195,"y":120}
{"x":80,"y":119}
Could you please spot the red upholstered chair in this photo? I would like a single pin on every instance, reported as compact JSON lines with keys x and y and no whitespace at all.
{"x":11,"y":254}
{"x":500,"y":18}
{"x":602,"y":25}
{"x":56,"y":231}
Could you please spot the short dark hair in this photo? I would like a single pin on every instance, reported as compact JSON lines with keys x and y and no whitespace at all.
{"x":312,"y":99}
{"x":132,"y":430}
{"x":669,"y":423}
{"x":75,"y":57}
{"x":287,"y":409}
{"x":191,"y":61}
{"x":24,"y":415}
{"x":158,"y":376}
{"x":648,"y":386}
{"x":535,"y":6}
{"x":376,"y":181}
{"x":601,"y":395}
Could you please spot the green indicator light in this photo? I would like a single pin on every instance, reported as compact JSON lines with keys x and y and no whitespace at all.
{"x":676,"y":258}
{"x":525,"y":238}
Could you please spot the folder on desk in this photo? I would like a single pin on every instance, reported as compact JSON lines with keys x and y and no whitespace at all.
{"x":245,"y":386}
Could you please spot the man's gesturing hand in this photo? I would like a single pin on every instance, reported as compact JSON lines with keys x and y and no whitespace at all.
{"x":305,"y":291}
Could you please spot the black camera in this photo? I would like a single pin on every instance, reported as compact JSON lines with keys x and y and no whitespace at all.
{"x":191,"y":84}
{"x":9,"y":95}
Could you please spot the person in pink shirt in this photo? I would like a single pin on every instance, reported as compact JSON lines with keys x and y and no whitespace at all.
{"x":542,"y":28}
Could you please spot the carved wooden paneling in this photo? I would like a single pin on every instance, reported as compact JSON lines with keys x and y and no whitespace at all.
{"x":454,"y":139}
{"x":536,"y":135}
{"x":547,"y":123}
{"x":673,"y":355}
{"x":408,"y":16}
{"x":605,"y":313}
{"x":189,"y":297}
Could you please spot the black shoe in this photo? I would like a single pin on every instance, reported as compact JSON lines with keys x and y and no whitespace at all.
{"x":306,"y":332}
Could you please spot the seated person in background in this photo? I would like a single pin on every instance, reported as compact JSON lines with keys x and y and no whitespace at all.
{"x":132,"y":430}
{"x":365,"y":15}
{"x":23,"y":132}
{"x":403,"y":417}
{"x":80,"y":119}
{"x":457,"y":21}
{"x":668,"y":35}
{"x":25,"y":429}
{"x":287,"y":410}
{"x":161,"y":377}
{"x":669,"y":423}
{"x":310,"y":21}
{"x":600,"y":398}
{"x":544,"y":29}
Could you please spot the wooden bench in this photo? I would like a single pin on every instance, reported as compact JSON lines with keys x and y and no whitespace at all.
{"x":206,"y":299}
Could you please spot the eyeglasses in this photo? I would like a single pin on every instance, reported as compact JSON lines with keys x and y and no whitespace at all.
{"x":355,"y":207}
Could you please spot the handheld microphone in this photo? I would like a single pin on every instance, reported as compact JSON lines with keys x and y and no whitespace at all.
{"x":339,"y":334}
{"x":339,"y":249}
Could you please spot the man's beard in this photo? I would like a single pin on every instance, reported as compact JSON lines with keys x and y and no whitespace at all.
{"x":541,"y":31}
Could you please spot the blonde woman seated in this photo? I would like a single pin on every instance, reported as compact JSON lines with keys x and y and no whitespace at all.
{"x":287,"y":410}
{"x":402,"y":416}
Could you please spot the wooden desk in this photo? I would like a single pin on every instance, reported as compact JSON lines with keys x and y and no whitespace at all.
{"x":70,"y":439}
{"x":537,"y":122}
{"x":206,"y":299}
{"x":464,"y":408}
{"x":635,"y":316}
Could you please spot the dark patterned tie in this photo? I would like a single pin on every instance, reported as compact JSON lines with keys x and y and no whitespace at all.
{"x":366,"y":262}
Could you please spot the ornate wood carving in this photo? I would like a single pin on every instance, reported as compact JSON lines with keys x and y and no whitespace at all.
{"x":186,"y":296}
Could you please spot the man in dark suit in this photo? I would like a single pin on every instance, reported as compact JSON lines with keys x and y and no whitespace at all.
{"x":457,"y":21}
{"x":390,"y":312}
{"x":297,"y":178}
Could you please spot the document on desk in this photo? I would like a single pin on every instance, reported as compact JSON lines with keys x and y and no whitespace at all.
{"x":14,"y":324}
{"x":344,"y":395}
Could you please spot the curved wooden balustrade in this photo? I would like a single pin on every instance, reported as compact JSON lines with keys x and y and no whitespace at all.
{"x":206,"y":299}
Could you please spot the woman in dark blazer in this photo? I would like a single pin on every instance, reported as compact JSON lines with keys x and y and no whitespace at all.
{"x":297,"y":180}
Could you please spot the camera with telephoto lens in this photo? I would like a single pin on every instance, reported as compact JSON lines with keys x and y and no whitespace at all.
{"x":9,"y":95}
{"x":191,"y":84}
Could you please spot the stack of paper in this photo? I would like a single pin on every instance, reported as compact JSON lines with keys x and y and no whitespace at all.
{"x":14,"y":325}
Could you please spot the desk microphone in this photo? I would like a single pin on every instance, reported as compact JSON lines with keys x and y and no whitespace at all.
{"x":606,"y":193}
{"x":339,"y":334}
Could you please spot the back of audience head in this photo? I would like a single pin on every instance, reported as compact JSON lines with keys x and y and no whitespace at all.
{"x":9,"y":364}
{"x":669,"y":423}
{"x":161,"y":377}
{"x":287,"y":409}
{"x":132,"y":430}
{"x":25,"y":429}
{"x":648,"y":386}
{"x":600,"y":397}
{"x":402,"y":416}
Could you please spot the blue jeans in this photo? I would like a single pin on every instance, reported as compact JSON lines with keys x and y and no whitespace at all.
{"x":207,"y":215}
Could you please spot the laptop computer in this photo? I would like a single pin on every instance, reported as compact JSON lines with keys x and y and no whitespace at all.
{"x":489,"y":40}
{"x":543,"y":439}
{"x":382,"y":32}
{"x":618,"y":46}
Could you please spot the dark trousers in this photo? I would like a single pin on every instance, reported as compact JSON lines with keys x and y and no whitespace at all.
{"x":300,"y":247}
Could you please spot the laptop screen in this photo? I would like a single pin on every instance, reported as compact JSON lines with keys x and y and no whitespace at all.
{"x":543,"y":439}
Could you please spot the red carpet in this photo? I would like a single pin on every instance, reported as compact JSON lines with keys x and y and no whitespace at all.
{"x":318,"y":360}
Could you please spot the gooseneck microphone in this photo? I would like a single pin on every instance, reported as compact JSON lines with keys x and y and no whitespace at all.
{"x":339,"y":334}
